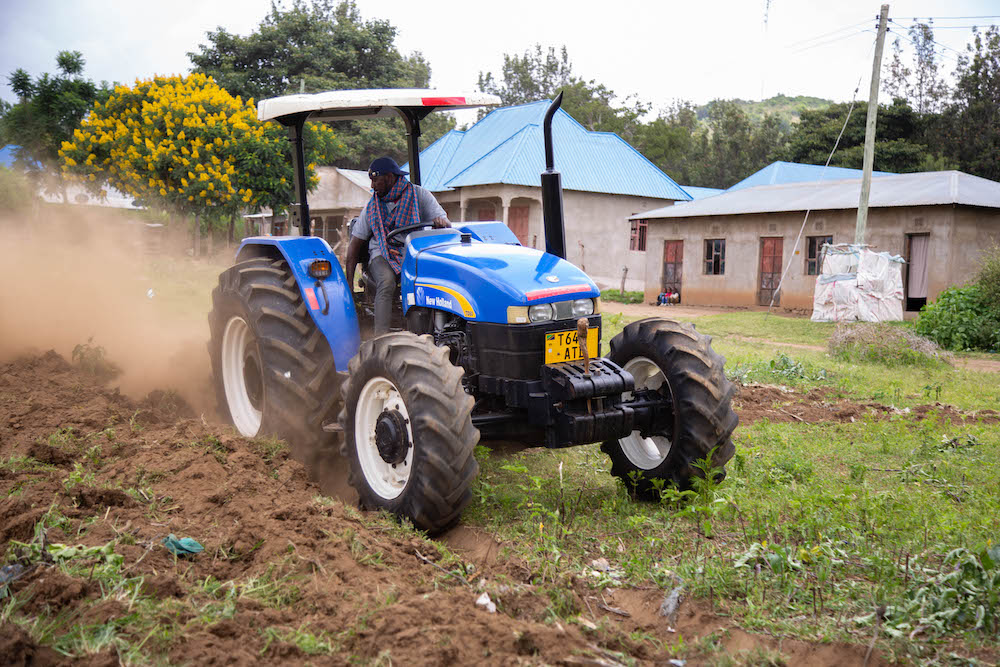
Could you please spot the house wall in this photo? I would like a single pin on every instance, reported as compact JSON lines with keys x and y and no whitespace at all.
{"x":957,"y":236}
{"x":597,"y":226}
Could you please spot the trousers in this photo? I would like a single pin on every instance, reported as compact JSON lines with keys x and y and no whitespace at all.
{"x":386,"y":289}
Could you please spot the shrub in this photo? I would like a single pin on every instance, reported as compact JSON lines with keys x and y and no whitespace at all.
{"x":962,"y":318}
{"x":989,"y":279}
{"x":882,"y":343}
{"x":621,"y":297}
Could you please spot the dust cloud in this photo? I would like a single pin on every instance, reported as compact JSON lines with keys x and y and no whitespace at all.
{"x":66,"y":280}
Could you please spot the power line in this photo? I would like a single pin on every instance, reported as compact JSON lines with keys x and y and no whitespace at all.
{"x":832,"y":41}
{"x":907,"y":37}
{"x":827,"y":34}
{"x":943,"y":46}
{"x":954,"y":18}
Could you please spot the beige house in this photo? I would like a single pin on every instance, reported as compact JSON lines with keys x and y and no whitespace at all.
{"x":732,"y":249}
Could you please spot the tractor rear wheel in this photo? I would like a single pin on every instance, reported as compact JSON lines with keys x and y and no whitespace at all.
{"x":679,"y":363}
{"x":408,"y":432}
{"x":272,"y":368}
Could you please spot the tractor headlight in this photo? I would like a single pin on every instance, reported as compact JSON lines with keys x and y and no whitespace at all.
{"x":583,"y":307}
{"x":541,"y":312}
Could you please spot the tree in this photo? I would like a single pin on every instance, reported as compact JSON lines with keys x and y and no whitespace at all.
{"x":317,"y":46}
{"x":186,"y":145}
{"x":540,"y":75}
{"x":48,"y":109}
{"x":898,"y":145}
{"x":671,"y":141}
{"x":975,"y":111}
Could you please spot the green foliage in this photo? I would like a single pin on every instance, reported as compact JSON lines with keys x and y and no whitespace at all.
{"x":963,"y":594}
{"x":92,"y":359}
{"x":898,"y":147}
{"x":961,"y":318}
{"x":781,"y":368}
{"x":15,"y":191}
{"x":621,"y":297}
{"x":974,"y":112}
{"x":49,"y":108}
{"x":541,"y":75}
{"x":884,"y":343}
{"x":988,"y":278}
{"x":316,"y":46}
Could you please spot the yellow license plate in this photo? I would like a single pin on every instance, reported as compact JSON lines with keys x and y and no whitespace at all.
{"x":565,"y":345}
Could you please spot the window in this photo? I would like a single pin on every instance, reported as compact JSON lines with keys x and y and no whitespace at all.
{"x":715,"y":256}
{"x":814,"y":256}
{"x":637,"y":241}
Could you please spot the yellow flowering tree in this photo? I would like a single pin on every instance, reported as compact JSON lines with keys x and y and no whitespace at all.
{"x":184,"y":144}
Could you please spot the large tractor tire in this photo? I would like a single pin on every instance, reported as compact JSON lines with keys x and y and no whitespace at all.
{"x":408,"y":433}
{"x":680,"y":364}
{"x":272,"y":368}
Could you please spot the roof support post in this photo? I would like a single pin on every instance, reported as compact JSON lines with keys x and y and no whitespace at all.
{"x":412,"y":122}
{"x":298,"y":210}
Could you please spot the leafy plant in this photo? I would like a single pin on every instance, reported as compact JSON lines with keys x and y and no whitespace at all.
{"x":962,"y":318}
{"x":92,"y":359}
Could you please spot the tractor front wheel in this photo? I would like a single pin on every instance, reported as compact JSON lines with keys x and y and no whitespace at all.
{"x":678,"y":363}
{"x":408,"y":432}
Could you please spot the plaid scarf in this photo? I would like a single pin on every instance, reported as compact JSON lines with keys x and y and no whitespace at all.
{"x":382,"y":222}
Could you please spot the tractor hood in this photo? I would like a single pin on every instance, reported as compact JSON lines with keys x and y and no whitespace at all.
{"x":479,"y":280}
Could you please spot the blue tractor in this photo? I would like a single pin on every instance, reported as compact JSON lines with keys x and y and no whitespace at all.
{"x":491,"y":341}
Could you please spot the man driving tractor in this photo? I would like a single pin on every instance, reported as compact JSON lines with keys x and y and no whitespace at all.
{"x":395,"y":202}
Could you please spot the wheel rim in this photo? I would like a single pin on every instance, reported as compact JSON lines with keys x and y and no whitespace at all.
{"x":385,"y":479}
{"x":645,"y":453}
{"x":242,"y":377}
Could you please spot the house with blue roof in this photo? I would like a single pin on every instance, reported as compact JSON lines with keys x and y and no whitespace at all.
{"x":778,"y":173}
{"x":491,"y":171}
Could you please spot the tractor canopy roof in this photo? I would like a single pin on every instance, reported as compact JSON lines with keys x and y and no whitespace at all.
{"x":373,"y":103}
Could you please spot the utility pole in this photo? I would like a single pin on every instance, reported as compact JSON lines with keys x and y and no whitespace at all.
{"x":869,"y":161}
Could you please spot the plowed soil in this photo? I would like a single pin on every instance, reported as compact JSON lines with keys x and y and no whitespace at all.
{"x":257,"y":514}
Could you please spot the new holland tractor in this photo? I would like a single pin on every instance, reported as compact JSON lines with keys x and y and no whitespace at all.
{"x":491,"y":340}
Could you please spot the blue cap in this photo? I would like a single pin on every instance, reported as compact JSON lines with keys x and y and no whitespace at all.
{"x":384,"y":165}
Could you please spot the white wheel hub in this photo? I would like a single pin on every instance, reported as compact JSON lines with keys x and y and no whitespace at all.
{"x":242,"y":377}
{"x":645,"y":453}
{"x":386,"y":479}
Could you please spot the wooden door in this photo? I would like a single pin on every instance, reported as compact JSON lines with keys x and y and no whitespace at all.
{"x":770,"y":271}
{"x":486,"y":214}
{"x":673,"y":260}
{"x":517,"y":220}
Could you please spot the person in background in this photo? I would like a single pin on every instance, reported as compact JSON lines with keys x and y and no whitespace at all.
{"x":395,"y":203}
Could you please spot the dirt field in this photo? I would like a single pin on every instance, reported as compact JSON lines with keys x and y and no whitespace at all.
{"x":253,"y":515}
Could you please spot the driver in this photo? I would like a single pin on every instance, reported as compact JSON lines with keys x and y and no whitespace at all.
{"x":395,"y":203}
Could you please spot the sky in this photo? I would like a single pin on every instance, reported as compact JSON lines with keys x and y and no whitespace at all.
{"x":657,"y":51}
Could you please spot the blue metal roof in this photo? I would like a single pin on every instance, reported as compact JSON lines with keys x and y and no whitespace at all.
{"x":507,"y":146}
{"x":7,"y":155}
{"x":779,"y":172}
{"x":700,"y":193}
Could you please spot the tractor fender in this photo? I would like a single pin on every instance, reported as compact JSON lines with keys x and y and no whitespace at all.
{"x":329,"y":302}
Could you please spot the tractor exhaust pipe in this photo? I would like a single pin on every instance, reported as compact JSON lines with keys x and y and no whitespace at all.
{"x":552,"y":201}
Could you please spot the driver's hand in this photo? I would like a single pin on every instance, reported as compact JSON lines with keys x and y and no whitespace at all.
{"x":441,"y":222}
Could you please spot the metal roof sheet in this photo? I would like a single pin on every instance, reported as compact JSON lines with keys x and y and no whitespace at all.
{"x":780,"y":172}
{"x":919,"y":189}
{"x":507,"y":147}
{"x":356,"y":176}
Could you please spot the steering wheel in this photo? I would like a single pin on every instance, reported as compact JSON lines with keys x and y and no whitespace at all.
{"x":406,"y":229}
